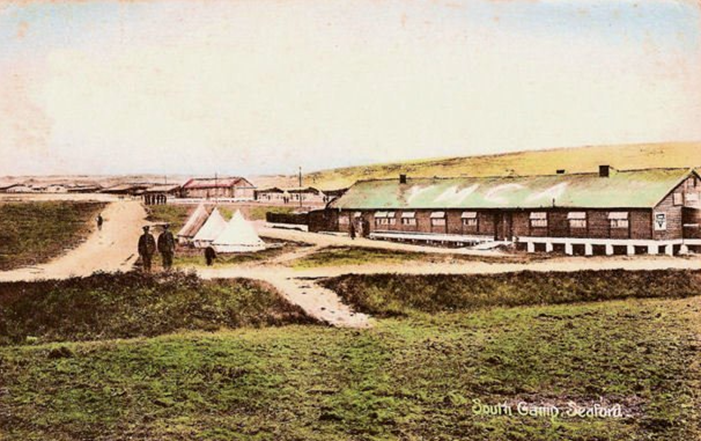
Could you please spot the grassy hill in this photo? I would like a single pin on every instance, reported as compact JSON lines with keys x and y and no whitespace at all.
{"x":33,"y":233}
{"x":414,"y":376}
{"x":578,"y":159}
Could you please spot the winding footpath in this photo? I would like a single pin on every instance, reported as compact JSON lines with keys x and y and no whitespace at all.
{"x":114,"y":249}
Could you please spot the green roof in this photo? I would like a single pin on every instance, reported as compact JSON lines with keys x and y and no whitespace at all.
{"x":623,"y":189}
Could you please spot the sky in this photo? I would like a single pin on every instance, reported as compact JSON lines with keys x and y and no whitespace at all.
{"x":249,"y":87}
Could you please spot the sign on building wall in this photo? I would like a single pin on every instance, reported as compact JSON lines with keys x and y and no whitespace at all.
{"x":660,"y":221}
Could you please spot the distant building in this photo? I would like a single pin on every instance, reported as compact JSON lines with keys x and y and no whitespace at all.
{"x":610,"y":212}
{"x":160,"y":194}
{"x":237,"y":188}
{"x":19,"y":188}
{"x":272,"y":194}
{"x":56,"y":188}
{"x":84,"y":188}
{"x":307,"y":195}
{"x":131,"y":189}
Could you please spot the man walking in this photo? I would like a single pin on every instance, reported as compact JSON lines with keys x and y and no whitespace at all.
{"x":209,"y":255}
{"x":166,"y":246}
{"x":99,"y":221}
{"x":147,"y":246}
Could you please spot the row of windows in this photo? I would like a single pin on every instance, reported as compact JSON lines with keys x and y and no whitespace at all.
{"x":537,"y":220}
{"x":578,"y":220}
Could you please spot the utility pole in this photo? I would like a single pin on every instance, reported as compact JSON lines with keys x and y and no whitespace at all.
{"x":300,"y":186}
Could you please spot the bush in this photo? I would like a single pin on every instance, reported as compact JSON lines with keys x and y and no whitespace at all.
{"x":124,"y":305}
{"x":393,"y":295}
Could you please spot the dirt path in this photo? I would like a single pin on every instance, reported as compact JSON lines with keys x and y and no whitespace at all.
{"x":327,"y":240}
{"x":299,"y":286}
{"x":113,"y":249}
{"x":109,"y":250}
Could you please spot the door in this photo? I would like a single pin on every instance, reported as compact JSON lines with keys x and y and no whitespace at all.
{"x":502,"y":226}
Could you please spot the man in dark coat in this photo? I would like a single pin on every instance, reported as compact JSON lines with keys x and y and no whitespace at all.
{"x":209,"y":255}
{"x":352,"y":230}
{"x":99,"y":221}
{"x":166,"y":246}
{"x":147,"y":246}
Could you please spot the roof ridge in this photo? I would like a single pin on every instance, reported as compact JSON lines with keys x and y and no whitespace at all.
{"x":437,"y":178}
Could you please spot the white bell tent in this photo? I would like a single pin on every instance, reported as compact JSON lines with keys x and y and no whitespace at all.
{"x":210,"y":230}
{"x":239,"y":236}
{"x":193,"y":225}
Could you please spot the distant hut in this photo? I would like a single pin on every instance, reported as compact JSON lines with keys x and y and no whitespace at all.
{"x":220,"y":188}
{"x":272,"y":194}
{"x":160,"y":194}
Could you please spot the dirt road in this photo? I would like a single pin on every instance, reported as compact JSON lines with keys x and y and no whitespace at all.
{"x":114,"y":249}
{"x":109,"y":250}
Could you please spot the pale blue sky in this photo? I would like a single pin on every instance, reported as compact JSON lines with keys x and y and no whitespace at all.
{"x":262,"y":86}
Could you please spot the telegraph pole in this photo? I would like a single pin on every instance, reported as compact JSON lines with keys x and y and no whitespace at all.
{"x":300,"y":186}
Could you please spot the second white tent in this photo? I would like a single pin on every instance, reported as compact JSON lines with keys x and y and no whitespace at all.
{"x":211,"y":229}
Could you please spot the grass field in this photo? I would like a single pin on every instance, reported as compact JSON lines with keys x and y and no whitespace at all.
{"x":176,"y":215}
{"x":192,"y":257}
{"x":106,"y":306}
{"x":413,"y":376}
{"x":35,"y":232}
{"x":389,"y":295}
{"x":579,"y":159}
{"x":342,"y":255}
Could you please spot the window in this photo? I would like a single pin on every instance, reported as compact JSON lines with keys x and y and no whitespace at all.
{"x":660,"y":221}
{"x":577,"y":219}
{"x":469,"y":219}
{"x":409,"y":218}
{"x":391,"y":218}
{"x":343,"y":220}
{"x":438,"y":219}
{"x":692,"y":198}
{"x":470,"y":222}
{"x":619,"y":220}
{"x":380,"y":218}
{"x":678,"y":199}
{"x":539,"y":219}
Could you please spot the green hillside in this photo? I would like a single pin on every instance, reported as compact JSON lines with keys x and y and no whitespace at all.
{"x":578,"y":159}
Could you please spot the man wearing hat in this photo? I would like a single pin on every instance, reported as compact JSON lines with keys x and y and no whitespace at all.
{"x":166,"y":246}
{"x":147,"y":246}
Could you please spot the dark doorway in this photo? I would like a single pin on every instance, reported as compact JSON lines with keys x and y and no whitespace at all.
{"x":502,"y":226}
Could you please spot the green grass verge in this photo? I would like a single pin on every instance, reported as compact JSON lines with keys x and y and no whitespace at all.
{"x":194,"y":258}
{"x":35,"y":232}
{"x":387,"y":295}
{"x":176,"y":215}
{"x":105,"y":306}
{"x":348,"y":255}
{"x":406,"y":379}
{"x":257,"y":212}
